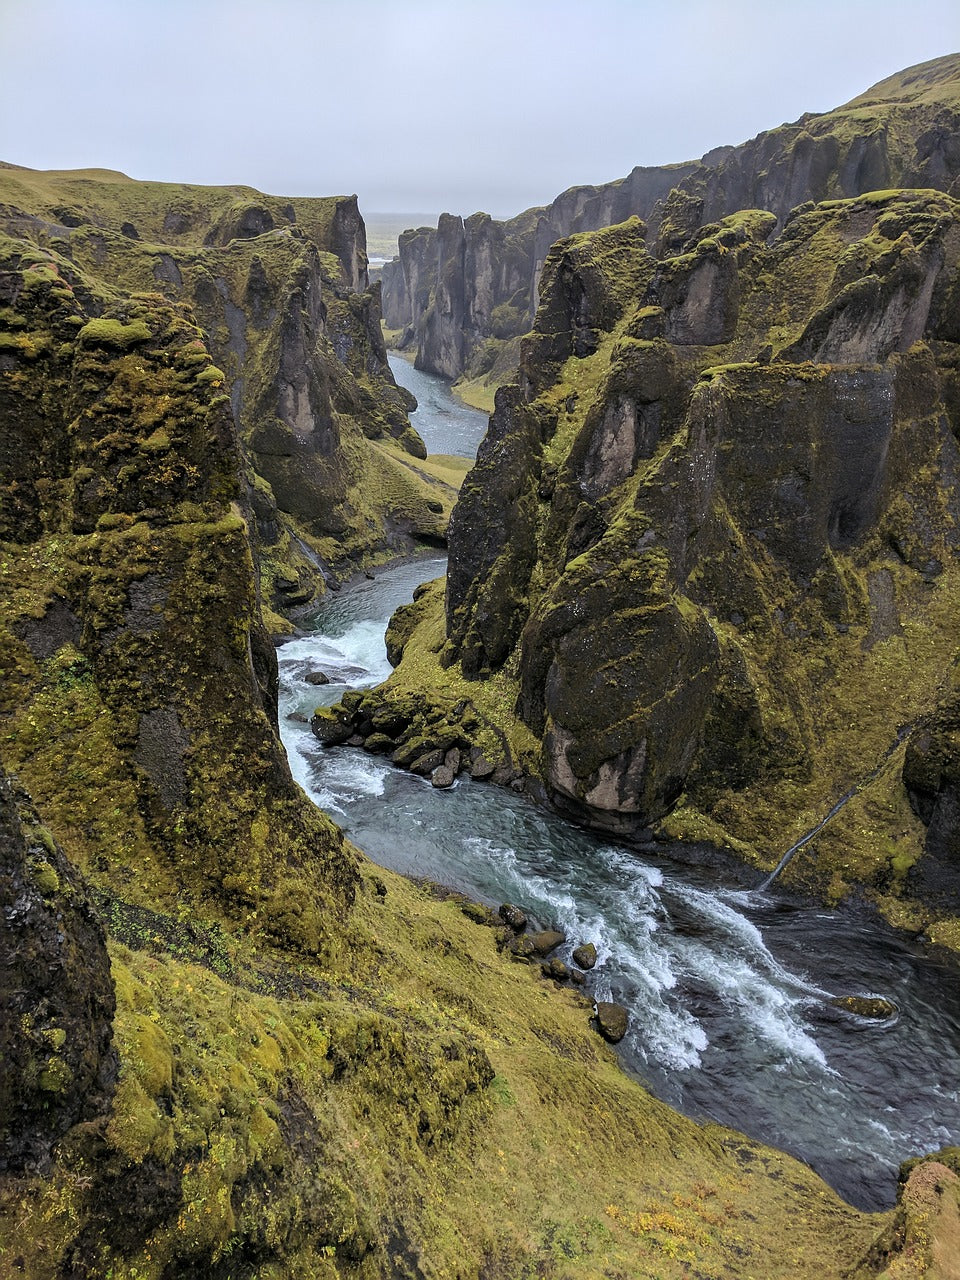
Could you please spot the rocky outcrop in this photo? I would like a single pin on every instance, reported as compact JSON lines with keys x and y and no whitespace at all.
{"x":453,"y":290}
{"x":473,"y":279}
{"x":129,"y":545}
{"x":279,"y":289}
{"x":710,"y":523}
{"x":59,"y":1065}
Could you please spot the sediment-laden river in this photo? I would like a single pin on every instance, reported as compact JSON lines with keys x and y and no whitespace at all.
{"x":728,"y":990}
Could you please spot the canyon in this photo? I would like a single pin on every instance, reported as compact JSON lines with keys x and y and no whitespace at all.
{"x":701,"y":578}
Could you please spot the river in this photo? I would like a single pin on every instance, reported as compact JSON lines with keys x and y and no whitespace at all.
{"x":728,"y":990}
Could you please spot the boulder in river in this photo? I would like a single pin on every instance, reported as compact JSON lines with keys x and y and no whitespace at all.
{"x":585,"y":955}
{"x":545,"y":941}
{"x":513,"y":916}
{"x":875,"y":1007}
{"x":317,"y":677}
{"x":427,"y":764}
{"x":441,"y":777}
{"x":331,"y":726}
{"x":480,"y":766}
{"x":611,"y":1021}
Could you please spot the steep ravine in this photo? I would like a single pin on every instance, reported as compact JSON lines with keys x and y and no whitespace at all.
{"x":735,"y":997}
{"x":240,"y":1050}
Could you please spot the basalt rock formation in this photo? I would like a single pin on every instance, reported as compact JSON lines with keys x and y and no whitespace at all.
{"x":279,"y":293}
{"x":460,"y":291}
{"x":710,"y":542}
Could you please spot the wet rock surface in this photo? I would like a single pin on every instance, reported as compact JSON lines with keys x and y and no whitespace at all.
{"x":59,"y":1064}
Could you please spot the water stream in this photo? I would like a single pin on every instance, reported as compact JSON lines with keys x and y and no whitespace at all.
{"x":728,"y":990}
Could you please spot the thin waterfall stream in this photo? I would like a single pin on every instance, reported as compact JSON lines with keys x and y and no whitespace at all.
{"x":729,"y":991}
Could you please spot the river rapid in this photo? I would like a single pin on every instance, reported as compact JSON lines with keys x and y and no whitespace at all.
{"x":728,"y":990}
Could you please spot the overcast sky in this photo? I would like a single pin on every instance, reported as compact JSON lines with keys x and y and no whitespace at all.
{"x":422,"y":105}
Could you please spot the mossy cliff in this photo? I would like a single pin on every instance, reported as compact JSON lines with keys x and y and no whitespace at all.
{"x":231,"y":1048}
{"x":278,"y":289}
{"x":710,"y":545}
{"x":462,"y":292}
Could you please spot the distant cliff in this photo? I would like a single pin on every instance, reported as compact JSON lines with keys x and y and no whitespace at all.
{"x":279,"y":294}
{"x":458,"y":291}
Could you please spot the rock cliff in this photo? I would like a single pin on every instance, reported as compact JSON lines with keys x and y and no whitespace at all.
{"x":458,"y":291}
{"x":710,"y":542}
{"x":278,"y":291}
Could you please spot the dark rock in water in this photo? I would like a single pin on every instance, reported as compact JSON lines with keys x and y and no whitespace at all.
{"x":442,"y":777}
{"x":355,"y":740}
{"x":611,"y":1021}
{"x":426,"y":764}
{"x":331,"y":725}
{"x":556,"y":970}
{"x":480,"y":766}
{"x":297,"y":717}
{"x":378,"y":744}
{"x":576,"y":977}
{"x":545,"y":941}
{"x":867,"y":1006}
{"x":513,"y":917}
{"x":585,"y":955}
{"x":452,"y":760}
{"x":317,"y":677}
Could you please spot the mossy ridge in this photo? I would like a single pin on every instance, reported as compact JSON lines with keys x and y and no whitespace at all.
{"x":462,"y":300}
{"x":167,"y":212}
{"x":130,"y":554}
{"x":274,"y":285}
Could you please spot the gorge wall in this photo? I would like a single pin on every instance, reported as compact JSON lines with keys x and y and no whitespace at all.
{"x":284,"y":319}
{"x":710,"y":543}
{"x":457,"y":292}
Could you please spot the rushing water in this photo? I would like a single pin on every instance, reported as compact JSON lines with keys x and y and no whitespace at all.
{"x":728,"y":990}
{"x":445,"y":425}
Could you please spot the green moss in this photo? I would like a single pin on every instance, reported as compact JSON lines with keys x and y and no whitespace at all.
{"x":45,"y":878}
{"x":113,"y":333}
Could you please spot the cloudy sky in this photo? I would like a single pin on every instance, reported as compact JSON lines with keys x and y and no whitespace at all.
{"x":423,"y":105}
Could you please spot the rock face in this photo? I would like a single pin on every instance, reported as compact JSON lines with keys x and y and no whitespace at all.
{"x":128,"y":546}
{"x":59,"y":1066}
{"x":453,"y":289}
{"x":469,"y":280}
{"x":721,"y":497}
{"x":292,"y":335}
